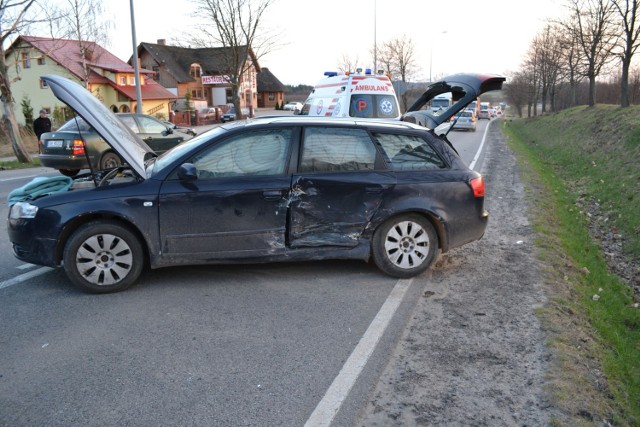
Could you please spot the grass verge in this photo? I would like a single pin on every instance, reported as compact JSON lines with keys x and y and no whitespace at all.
{"x":577,"y":158}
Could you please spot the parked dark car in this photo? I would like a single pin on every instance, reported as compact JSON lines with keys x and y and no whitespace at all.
{"x":270,"y":189}
{"x":67,"y":148}
{"x":230,"y":115}
{"x":180,"y":128}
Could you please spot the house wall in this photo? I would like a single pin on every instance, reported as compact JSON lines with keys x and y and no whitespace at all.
{"x":26,"y":82}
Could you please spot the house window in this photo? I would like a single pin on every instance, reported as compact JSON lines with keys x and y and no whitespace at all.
{"x":43,"y":84}
{"x":156,"y":70}
{"x":132,"y":81}
{"x":41,"y":60}
{"x":196,"y":71}
{"x":272,"y":96}
{"x":196,"y":93}
{"x":123,"y":80}
{"x":122,"y":97}
{"x":26,"y":62}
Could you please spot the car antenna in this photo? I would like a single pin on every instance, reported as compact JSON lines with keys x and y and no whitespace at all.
{"x":86,"y":152}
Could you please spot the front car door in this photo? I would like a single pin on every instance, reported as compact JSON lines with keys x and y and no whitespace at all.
{"x":338,"y":188}
{"x":237,"y":207}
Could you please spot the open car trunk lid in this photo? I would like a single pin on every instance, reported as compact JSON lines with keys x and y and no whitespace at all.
{"x":463,"y":89}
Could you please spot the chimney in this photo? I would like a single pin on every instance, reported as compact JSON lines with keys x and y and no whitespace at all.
{"x":162,"y":42}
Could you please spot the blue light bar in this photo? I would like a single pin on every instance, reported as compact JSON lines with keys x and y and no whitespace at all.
{"x":330,"y":73}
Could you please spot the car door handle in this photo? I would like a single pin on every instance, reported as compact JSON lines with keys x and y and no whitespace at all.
{"x":272,"y":194}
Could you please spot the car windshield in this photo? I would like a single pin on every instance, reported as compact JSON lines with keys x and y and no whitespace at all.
{"x":77,"y":124}
{"x":179,"y":150}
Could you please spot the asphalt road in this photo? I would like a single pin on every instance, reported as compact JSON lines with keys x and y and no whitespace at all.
{"x":257,"y":345}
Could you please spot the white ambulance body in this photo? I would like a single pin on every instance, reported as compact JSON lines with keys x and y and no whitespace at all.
{"x":362,"y":95}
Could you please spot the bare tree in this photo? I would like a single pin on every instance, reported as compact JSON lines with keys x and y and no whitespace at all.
{"x":83,"y":20}
{"x":12,"y":21}
{"x":596,"y":36}
{"x":572,"y":59}
{"x":348,"y":63}
{"x":628,"y":11}
{"x":236,"y":26}
{"x":517,"y":91}
{"x":398,"y":56}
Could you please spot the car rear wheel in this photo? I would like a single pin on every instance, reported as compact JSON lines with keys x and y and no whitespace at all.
{"x":405,"y":246}
{"x":103,"y":256}
{"x":69,"y":172}
{"x":110,"y":160}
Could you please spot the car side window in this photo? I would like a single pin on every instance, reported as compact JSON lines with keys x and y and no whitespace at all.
{"x":151,"y":126}
{"x":337,"y":150}
{"x":130,"y":122}
{"x":409,"y":152}
{"x":256,"y":153}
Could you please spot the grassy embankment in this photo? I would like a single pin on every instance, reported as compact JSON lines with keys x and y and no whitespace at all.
{"x":582,"y":169}
{"x":30,"y":144}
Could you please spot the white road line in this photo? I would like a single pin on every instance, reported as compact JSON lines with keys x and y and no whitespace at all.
{"x":25,"y":266}
{"x":26,"y":276}
{"x":484,"y":137}
{"x":18,"y":177}
{"x":341,"y":385}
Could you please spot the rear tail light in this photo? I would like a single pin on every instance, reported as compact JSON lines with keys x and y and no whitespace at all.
{"x":477,"y":184}
{"x":78,"y":147}
{"x":40,"y":146}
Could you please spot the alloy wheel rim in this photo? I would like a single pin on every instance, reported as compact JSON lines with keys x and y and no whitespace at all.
{"x":104,"y":259}
{"x":407,"y":245}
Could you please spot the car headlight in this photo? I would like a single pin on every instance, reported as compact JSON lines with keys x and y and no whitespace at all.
{"x":23,"y":210}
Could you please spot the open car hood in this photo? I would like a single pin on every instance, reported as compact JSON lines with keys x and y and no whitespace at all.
{"x":464,"y":89}
{"x":123,"y":140}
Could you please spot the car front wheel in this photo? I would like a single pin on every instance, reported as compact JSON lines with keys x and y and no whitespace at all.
{"x":405,"y":246}
{"x":103,"y":256}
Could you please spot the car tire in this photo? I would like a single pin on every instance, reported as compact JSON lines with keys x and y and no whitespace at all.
{"x":102,"y":257}
{"x":69,"y":172}
{"x":110,"y":160}
{"x":405,"y":246}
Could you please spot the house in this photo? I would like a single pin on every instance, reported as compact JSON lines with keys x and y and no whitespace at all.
{"x":109,"y":78}
{"x":199,"y":72}
{"x":270,"y":89}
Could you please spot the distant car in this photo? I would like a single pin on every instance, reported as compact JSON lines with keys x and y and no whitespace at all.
{"x":209,"y":114}
{"x":183,"y":129}
{"x":67,"y":148}
{"x":270,"y":189}
{"x":466,"y":120}
{"x":230,"y":115}
{"x":293,"y":106}
{"x":484,"y":114}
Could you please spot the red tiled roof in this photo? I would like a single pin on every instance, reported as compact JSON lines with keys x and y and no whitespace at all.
{"x":67,"y":53}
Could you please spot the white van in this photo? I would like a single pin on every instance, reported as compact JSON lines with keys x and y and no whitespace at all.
{"x":362,"y":95}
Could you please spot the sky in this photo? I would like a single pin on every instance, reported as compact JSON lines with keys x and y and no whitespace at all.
{"x":487,"y":36}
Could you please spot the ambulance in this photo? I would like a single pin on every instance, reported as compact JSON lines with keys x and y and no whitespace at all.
{"x":359,"y":94}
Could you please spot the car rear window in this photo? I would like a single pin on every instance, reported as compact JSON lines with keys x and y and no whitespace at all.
{"x":76,"y":124}
{"x":337,"y":150}
{"x":409,"y":152}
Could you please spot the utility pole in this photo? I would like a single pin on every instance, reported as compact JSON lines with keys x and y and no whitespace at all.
{"x":135,"y":60}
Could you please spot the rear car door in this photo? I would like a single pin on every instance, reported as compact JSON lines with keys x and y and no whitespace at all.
{"x":156,"y":134}
{"x":338,"y":187}
{"x":237,"y":207}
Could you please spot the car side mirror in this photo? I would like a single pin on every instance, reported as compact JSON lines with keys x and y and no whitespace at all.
{"x":187,"y":172}
{"x":169,"y":131}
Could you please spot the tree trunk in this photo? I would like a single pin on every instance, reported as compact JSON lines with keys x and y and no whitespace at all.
{"x":624,"y":84}
{"x":13,"y":132}
{"x":592,"y":90}
{"x":9,"y":118}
